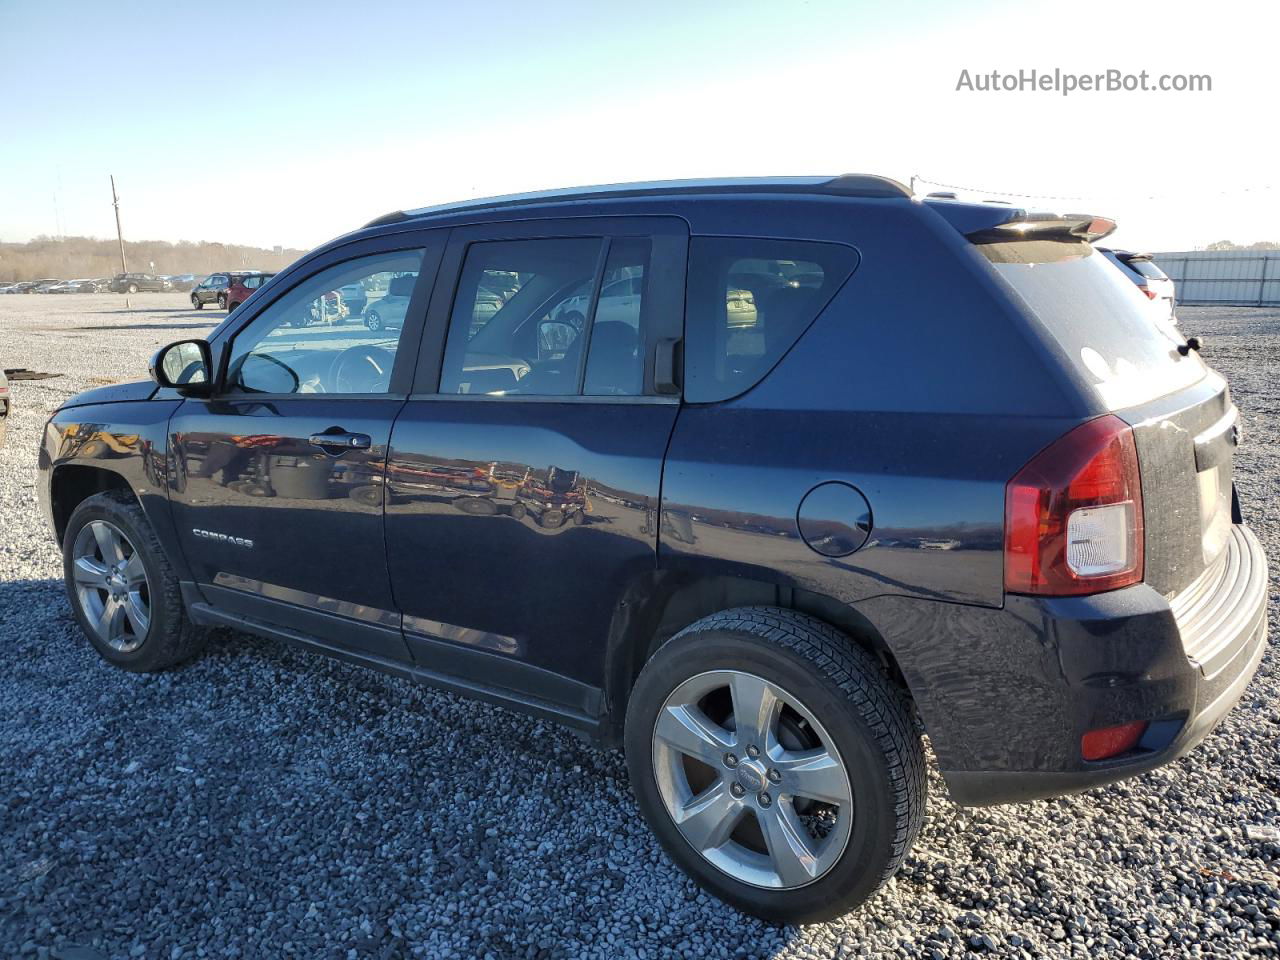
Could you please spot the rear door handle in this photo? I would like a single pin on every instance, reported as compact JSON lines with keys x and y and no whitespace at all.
{"x":341,"y":441}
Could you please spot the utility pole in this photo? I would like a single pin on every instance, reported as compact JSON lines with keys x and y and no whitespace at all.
{"x":115,"y":202}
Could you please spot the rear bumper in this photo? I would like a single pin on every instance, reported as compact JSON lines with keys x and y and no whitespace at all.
{"x":1125,"y":656}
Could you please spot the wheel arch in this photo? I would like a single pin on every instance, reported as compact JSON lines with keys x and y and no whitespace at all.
{"x":655,"y":608}
{"x":72,"y":483}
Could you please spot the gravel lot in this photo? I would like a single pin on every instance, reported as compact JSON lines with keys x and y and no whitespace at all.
{"x":262,"y":802}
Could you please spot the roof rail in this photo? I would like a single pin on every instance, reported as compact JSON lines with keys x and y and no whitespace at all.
{"x":395,"y":216}
{"x":846,"y":185}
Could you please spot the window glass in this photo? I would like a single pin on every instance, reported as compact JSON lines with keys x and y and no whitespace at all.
{"x":749,"y":300}
{"x":1089,"y":307}
{"x":521,"y":320}
{"x":1147,"y":269}
{"x":615,"y":355}
{"x":315,"y":340}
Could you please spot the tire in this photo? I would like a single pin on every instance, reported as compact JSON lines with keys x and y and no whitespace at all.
{"x":222,"y":302}
{"x":168,"y":637}
{"x":197,"y":303}
{"x":373,"y":321}
{"x":834,"y":696}
{"x":476,"y":506}
{"x":133,"y":288}
{"x":231,"y":306}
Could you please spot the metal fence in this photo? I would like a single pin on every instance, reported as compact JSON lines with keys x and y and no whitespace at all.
{"x":1236,"y":277}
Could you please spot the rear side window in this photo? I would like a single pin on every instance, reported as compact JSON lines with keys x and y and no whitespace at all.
{"x":1129,"y":353}
{"x":749,"y":300}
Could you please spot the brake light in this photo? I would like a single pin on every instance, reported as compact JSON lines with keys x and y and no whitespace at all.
{"x":1151,"y":294}
{"x":1073,"y":515}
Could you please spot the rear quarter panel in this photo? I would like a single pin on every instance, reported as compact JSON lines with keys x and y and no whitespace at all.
{"x":922,"y":384}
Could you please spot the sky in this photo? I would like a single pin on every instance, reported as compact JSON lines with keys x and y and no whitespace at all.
{"x":282,"y":124}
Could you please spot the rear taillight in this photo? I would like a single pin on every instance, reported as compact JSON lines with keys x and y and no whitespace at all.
{"x":1151,"y":294}
{"x":1073,"y":515}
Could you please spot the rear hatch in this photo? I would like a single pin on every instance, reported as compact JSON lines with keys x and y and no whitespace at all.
{"x":1141,"y":369}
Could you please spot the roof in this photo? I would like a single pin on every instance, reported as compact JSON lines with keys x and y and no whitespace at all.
{"x":846,"y":185}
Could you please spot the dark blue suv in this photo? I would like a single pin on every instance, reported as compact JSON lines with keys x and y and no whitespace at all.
{"x":759,"y":479}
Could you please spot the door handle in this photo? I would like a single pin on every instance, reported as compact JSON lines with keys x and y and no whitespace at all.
{"x":340,"y":440}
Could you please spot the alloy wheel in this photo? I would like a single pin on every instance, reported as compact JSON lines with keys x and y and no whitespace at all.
{"x":752,"y":780}
{"x":111,"y":586}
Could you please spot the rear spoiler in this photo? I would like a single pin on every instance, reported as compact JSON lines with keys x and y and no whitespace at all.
{"x":996,"y":223}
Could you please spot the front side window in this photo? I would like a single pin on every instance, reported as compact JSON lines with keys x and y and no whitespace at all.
{"x":311,"y":341}
{"x":527,"y":321}
{"x":749,"y":300}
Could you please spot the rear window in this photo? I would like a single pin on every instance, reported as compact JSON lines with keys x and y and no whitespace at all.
{"x":1125,"y":350}
{"x":749,"y":300}
{"x":1146,"y":268}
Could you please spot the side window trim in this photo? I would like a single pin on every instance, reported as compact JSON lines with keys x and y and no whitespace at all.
{"x":589,"y":324}
{"x":664,"y":290}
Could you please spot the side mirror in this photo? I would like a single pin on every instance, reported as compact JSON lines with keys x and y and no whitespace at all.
{"x":186,"y":366}
{"x":555,"y":337}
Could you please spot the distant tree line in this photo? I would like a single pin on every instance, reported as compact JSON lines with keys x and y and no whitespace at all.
{"x":71,"y":258}
{"x":1259,"y":245}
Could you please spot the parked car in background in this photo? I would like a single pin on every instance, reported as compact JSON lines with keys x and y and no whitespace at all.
{"x":137,"y":283}
{"x":1150,"y":280}
{"x":43,"y":286}
{"x":387,"y":313}
{"x":212,"y":289}
{"x":243,"y":286}
{"x":183,"y":282}
{"x":355,"y":297}
{"x":87,"y":285}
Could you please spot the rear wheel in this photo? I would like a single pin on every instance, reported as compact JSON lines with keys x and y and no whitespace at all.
{"x":373,"y":321}
{"x":222,"y":302}
{"x":776,"y":763}
{"x":123,"y":592}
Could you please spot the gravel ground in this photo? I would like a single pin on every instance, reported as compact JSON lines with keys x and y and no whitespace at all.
{"x":262,"y":802}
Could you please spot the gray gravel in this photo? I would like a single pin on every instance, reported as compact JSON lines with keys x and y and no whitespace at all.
{"x":262,"y":802}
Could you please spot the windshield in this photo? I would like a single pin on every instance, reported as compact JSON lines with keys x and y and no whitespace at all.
{"x":1127,"y":351}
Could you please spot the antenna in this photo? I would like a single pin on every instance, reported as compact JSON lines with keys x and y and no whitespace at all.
{"x":115,"y":202}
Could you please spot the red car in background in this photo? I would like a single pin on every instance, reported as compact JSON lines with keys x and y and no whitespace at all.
{"x":243,"y":286}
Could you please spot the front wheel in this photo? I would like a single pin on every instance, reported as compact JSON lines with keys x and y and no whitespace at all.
{"x":373,"y":321}
{"x":197,"y":303}
{"x":123,"y":592}
{"x":776,"y":763}
{"x":133,"y":288}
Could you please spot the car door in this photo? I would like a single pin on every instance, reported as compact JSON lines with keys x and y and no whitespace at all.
{"x":523,"y":478}
{"x":277,"y":491}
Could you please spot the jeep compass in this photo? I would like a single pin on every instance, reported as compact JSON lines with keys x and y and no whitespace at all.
{"x":842,"y":468}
